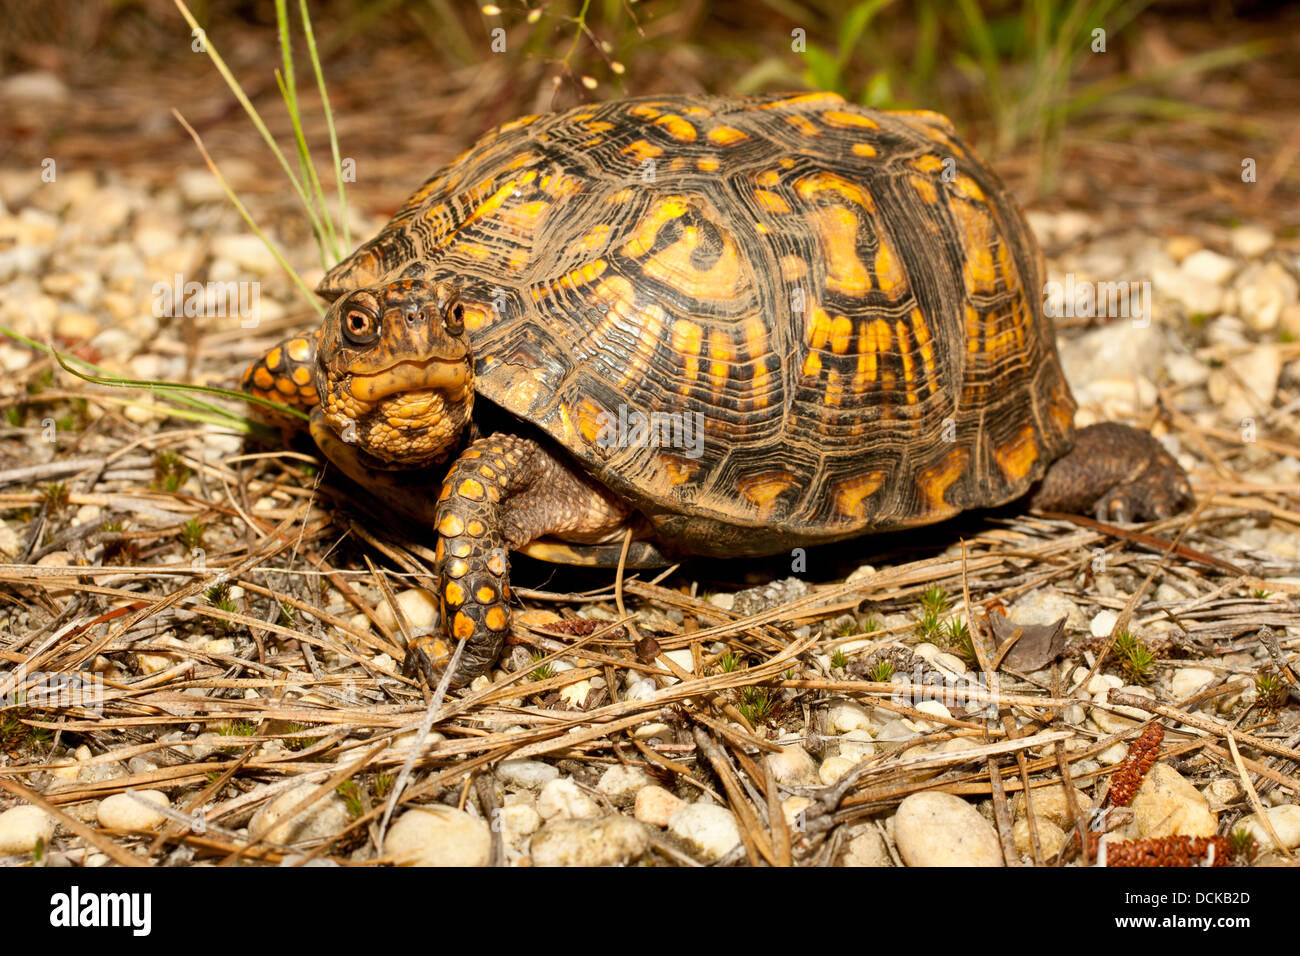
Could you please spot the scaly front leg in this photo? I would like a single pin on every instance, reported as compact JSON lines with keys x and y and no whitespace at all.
{"x":503,"y":492}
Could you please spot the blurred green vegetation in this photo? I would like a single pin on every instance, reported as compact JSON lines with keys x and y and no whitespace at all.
{"x":1020,"y":72}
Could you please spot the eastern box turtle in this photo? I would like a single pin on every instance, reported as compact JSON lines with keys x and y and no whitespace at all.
{"x":730,"y":326}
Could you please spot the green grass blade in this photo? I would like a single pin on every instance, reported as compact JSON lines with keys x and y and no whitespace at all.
{"x":251,"y":110}
{"x":329,"y":123}
{"x":248,"y":218}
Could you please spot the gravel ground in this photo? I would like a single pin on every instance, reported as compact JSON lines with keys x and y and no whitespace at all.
{"x":1212,"y":366}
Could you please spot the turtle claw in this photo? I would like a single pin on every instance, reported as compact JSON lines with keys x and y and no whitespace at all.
{"x":420,"y":655}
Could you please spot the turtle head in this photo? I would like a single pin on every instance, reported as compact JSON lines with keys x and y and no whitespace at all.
{"x":396,"y":370}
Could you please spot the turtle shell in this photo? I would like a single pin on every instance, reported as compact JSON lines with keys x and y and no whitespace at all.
{"x":765,"y":321}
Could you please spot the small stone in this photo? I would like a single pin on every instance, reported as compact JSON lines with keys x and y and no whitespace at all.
{"x":866,"y":848}
{"x":1245,"y":385}
{"x":1222,"y":792}
{"x":1050,"y":837}
{"x":653,"y":730}
{"x":1180,"y":247}
{"x":575,"y":694}
{"x":709,"y":830}
{"x":932,"y":828}
{"x":1168,"y":805}
{"x":656,"y":806}
{"x":843,"y":716}
{"x":1052,"y":804}
{"x":833,"y":768}
{"x":1250,"y":241}
{"x":562,"y":799}
{"x":323,"y":819}
{"x":199,"y":186}
{"x":621,"y":783}
{"x":1047,"y":606}
{"x":1101,"y":684}
{"x":1121,"y":718}
{"x":793,"y":808}
{"x":419,"y":606}
{"x":934,"y":707}
{"x":1102,"y":625}
{"x":76,"y":326}
{"x":518,"y":821}
{"x":1188,"y":681}
{"x":1209,"y":265}
{"x":1285,"y":820}
{"x":609,"y":841}
{"x":248,"y":252}
{"x":122,"y":811}
{"x":22,"y":826}
{"x":1263,"y":291}
{"x":34,"y":86}
{"x":529,"y":774}
{"x":683,"y":659}
{"x":438,"y":836}
{"x":857,"y":745}
{"x":1113,"y":754}
{"x":793,"y":766}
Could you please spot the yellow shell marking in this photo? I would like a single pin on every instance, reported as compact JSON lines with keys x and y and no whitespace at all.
{"x":454,"y":593}
{"x":837,"y":227}
{"x":673,"y":207}
{"x":687,"y":340}
{"x":809,"y":186}
{"x":1017,"y":456}
{"x":673,"y":266}
{"x":889,"y":274}
{"x":846,"y":120}
{"x":726,"y":135}
{"x":864,"y":149}
{"x":678,"y":128}
{"x":936,"y":481}
{"x":849,"y":495}
{"x":495,"y":619}
{"x":462,"y":626}
{"x":642,"y":150}
{"x":924,"y":188}
{"x":771,"y":201}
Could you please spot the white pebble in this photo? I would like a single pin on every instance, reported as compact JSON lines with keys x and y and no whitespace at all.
{"x":419,"y":606}
{"x":1103,"y":623}
{"x":938,"y":829}
{"x":845,"y":715}
{"x":1168,"y":805}
{"x":438,"y":836}
{"x":323,"y":819}
{"x":1187,"y":681}
{"x":709,"y":830}
{"x":621,"y":783}
{"x":793,"y":766}
{"x":563,"y":800}
{"x":122,"y":811}
{"x":22,"y":826}
{"x":609,"y":841}
{"x":833,"y":768}
{"x":1285,"y":820}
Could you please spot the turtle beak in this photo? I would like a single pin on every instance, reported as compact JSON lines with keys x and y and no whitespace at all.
{"x":450,"y":375}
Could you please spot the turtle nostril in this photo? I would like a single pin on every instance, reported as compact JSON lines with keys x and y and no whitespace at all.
{"x":412,"y":316}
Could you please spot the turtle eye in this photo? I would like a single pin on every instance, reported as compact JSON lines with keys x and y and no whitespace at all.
{"x":455,"y":318}
{"x":359,"y":326}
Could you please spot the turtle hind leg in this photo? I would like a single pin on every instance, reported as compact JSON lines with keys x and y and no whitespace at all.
{"x":286,"y":375}
{"x":1117,"y":473}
